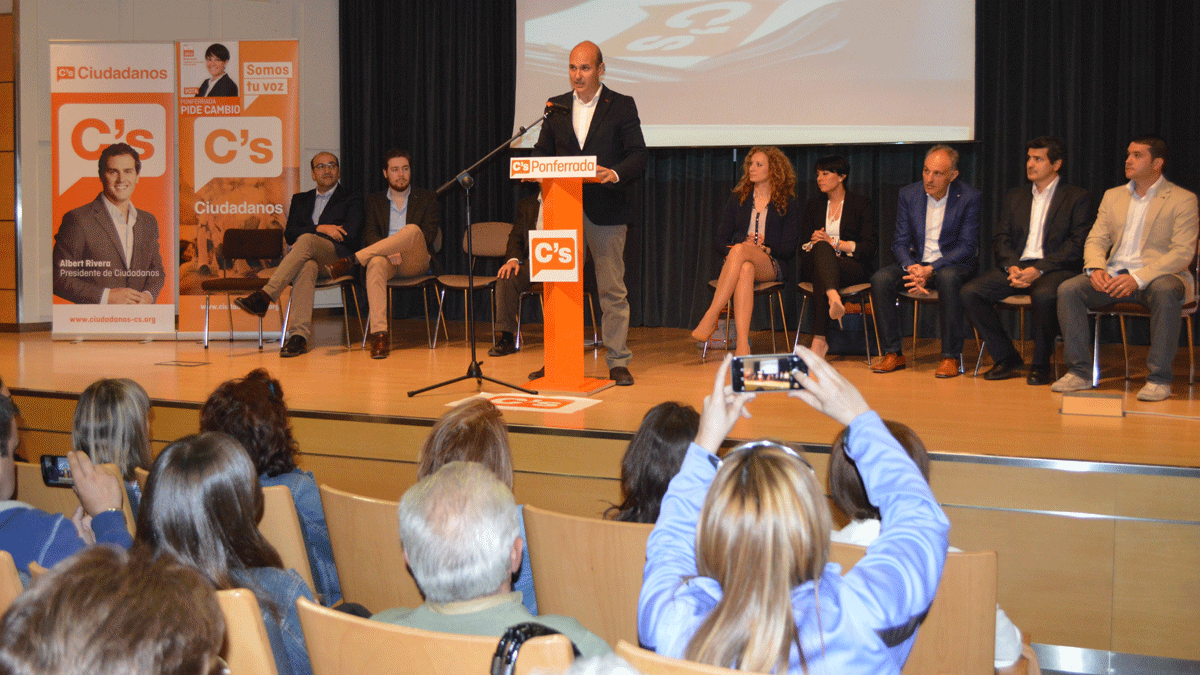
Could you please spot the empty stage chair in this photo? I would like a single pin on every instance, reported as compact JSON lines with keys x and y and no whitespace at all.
{"x":240,"y":244}
{"x":774,"y":291}
{"x":1124,"y":309}
{"x":959,"y":633}
{"x":489,"y":240}
{"x":649,"y":663}
{"x":588,"y":569}
{"x":339,"y":643}
{"x":280,"y":524}
{"x":860,"y":293}
{"x":247,"y":647}
{"x":365,"y":536}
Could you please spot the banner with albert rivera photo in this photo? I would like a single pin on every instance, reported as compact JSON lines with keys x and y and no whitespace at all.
{"x":239,"y":114}
{"x":113,"y":180}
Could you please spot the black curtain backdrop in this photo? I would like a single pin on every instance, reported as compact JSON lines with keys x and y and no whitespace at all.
{"x":437,"y":78}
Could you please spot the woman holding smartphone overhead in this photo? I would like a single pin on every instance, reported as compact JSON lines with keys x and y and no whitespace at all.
{"x":760,"y":227}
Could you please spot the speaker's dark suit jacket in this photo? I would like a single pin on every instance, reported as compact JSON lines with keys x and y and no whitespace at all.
{"x":615,"y":138}
{"x":343,"y":208}
{"x":959,"y":239}
{"x":223,"y":87}
{"x":1068,"y":220}
{"x":88,"y":233}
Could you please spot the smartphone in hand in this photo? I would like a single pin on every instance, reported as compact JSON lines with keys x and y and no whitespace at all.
{"x":766,"y":373}
{"x":56,"y":471}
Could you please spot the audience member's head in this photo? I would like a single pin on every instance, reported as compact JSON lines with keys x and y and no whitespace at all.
{"x":251,"y":409}
{"x":202,"y":504}
{"x":460,"y":533}
{"x":112,"y":425}
{"x":471,"y":432}
{"x":105,"y":611}
{"x":764,"y":530}
{"x":846,"y":484}
{"x":652,"y":460}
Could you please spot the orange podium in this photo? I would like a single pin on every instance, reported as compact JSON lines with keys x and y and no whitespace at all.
{"x":562,"y":181}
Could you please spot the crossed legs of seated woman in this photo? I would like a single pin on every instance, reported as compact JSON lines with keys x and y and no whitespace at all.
{"x":745,"y":265}
{"x":828,"y":272}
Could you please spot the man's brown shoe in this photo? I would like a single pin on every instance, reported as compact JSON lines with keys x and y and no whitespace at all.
{"x":948,"y":368}
{"x":888,"y":363}
{"x":380,"y":346}
{"x":343,"y":266}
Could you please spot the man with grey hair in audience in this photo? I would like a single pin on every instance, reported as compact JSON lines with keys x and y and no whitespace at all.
{"x":460,"y":535}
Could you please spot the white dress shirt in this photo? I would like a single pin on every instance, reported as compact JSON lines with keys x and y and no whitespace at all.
{"x":935,"y":212}
{"x":124,"y":226}
{"x":1037,"y":221}
{"x":1128,"y":255}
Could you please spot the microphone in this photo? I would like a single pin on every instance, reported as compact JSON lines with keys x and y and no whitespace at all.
{"x":556,"y":108}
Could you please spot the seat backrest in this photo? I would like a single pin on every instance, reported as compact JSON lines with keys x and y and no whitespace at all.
{"x":247,"y":647}
{"x":365,"y":536}
{"x":959,"y":634}
{"x":10,"y":581}
{"x":339,"y":643}
{"x":141,"y":476}
{"x":263,"y":243}
{"x":32,"y":491}
{"x":649,"y":663}
{"x":280,"y":524}
{"x":490,"y":239}
{"x":588,"y":569}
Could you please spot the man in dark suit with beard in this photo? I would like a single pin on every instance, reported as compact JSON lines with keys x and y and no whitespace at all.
{"x":403,"y":222}
{"x":1038,"y":245}
{"x":323,"y":225}
{"x":605,"y":124}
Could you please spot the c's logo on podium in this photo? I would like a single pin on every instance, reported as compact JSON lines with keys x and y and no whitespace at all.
{"x":521,"y":166}
{"x":553,"y":255}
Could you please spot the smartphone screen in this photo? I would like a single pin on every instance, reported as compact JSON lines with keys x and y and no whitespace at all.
{"x":767,"y":373}
{"x":56,"y":471}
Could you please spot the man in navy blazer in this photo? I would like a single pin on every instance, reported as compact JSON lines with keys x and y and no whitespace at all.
{"x":110,"y":235}
{"x":937,"y":240}
{"x":603,"y":123}
{"x":323,"y":226}
{"x":1038,"y":245}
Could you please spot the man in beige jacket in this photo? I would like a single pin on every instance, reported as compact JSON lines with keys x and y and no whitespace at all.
{"x":1138,"y":251}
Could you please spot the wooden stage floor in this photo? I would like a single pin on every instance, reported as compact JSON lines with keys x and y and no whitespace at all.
{"x":963,"y":415}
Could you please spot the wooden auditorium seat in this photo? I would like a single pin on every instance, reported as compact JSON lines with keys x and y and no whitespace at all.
{"x":339,"y":643}
{"x":280,"y":524}
{"x":365,"y":536}
{"x":588,"y":569}
{"x":247,"y":647}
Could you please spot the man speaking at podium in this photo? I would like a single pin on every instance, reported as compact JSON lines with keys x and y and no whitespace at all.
{"x":603,"y":123}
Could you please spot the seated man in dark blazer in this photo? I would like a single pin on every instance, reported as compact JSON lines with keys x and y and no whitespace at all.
{"x":323,"y":225}
{"x":513,"y":276}
{"x":937,"y":240}
{"x":1038,"y":245}
{"x":402,"y":225}
{"x":110,"y":235}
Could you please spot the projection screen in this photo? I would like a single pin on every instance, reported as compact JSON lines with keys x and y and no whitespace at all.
{"x":779,"y":72}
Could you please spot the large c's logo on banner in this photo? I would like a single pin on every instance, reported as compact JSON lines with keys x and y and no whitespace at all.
{"x":85,"y":130}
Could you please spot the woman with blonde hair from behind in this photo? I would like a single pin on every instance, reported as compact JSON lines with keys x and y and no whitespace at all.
{"x":737,"y":572}
{"x":112,"y":425}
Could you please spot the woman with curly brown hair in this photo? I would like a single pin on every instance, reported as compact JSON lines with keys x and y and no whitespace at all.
{"x":251,"y":409}
{"x":760,"y":227}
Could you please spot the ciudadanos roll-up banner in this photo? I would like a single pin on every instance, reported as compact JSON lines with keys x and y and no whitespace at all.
{"x":113,"y":184}
{"x":239,"y":113}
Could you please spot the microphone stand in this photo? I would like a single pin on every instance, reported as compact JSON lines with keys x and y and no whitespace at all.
{"x":474,"y":370}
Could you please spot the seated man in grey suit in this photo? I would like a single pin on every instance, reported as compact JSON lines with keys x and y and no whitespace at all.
{"x":1138,"y":251}
{"x":1038,"y":245}
{"x":462,"y":542}
{"x":402,"y":225}
{"x":323,"y":225}
{"x":106,"y":251}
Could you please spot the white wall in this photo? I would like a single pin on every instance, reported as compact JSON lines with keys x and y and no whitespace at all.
{"x":313,"y":22}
